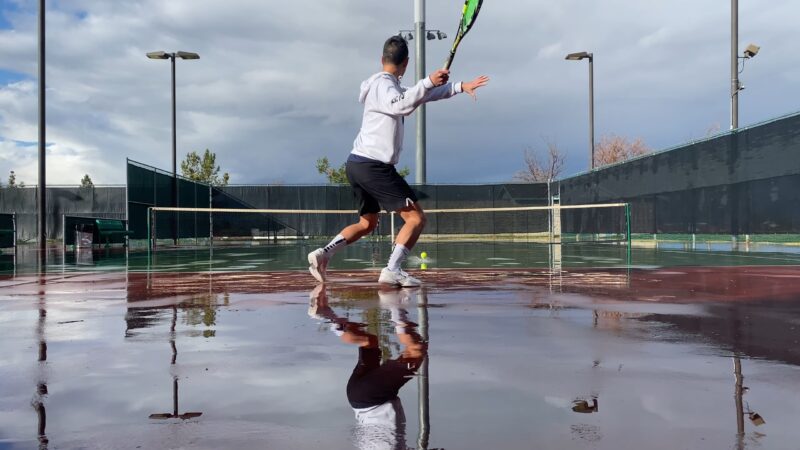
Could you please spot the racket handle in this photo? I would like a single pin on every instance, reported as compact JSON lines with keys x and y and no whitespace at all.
{"x":449,"y":61}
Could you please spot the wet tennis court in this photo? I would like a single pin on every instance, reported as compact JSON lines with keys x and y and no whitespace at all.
{"x":507,"y":346}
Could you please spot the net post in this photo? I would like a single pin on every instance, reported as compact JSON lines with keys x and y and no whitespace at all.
{"x":391,"y":224}
{"x":210,"y":217}
{"x":149,"y":230}
{"x":628,"y":223}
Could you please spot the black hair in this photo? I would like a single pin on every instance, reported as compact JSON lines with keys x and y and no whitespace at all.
{"x":395,"y":50}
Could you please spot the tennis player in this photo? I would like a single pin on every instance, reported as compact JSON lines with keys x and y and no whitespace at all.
{"x":370,"y":166}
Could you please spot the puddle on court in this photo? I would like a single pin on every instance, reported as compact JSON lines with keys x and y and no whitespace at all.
{"x":479,"y":360}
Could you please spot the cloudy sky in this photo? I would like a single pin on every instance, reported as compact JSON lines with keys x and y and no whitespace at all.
{"x":277,"y":83}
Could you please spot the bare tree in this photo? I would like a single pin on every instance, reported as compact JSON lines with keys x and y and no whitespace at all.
{"x":613,"y":149}
{"x":542,"y":166}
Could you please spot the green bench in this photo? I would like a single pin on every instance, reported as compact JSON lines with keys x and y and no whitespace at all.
{"x":8,"y":230}
{"x":103,"y":231}
{"x":110,"y":231}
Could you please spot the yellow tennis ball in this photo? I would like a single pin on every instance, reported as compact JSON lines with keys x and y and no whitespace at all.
{"x":423,"y":266}
{"x":424,"y":255}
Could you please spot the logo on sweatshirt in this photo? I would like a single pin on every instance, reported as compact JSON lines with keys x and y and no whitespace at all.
{"x":398,"y":98}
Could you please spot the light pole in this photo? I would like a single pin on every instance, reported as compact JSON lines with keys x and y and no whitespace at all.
{"x":749,"y":52}
{"x":421,"y":176}
{"x":42,"y":209}
{"x":590,"y":56}
{"x":735,"y":86}
{"x":172,"y":57}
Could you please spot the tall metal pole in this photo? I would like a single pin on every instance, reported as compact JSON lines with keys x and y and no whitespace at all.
{"x":174,"y":157}
{"x":591,"y":108}
{"x":42,"y":210}
{"x":734,"y":64}
{"x":420,"y":34}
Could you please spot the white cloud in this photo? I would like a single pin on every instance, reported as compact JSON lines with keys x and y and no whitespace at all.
{"x":276,"y":86}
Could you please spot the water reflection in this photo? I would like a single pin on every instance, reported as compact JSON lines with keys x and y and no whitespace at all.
{"x":40,"y":395}
{"x":175,"y":414}
{"x":373,"y":387}
{"x":197,"y":310}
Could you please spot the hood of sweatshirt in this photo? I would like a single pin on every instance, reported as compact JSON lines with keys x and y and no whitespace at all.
{"x":366,"y":84}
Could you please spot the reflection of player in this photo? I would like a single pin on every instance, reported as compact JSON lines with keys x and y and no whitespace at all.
{"x":373,"y":387}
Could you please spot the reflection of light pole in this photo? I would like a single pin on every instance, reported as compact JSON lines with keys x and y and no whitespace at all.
{"x":422,"y":374}
{"x":739,"y":391}
{"x":41,"y":385}
{"x":171,"y":57}
{"x":590,"y":56}
{"x":175,"y":414}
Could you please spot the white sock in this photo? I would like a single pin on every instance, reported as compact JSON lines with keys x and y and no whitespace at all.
{"x":399,"y":255}
{"x":335,"y":245}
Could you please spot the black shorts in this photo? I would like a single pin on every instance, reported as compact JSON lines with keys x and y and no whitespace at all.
{"x":377,"y":185}
{"x":372,"y":383}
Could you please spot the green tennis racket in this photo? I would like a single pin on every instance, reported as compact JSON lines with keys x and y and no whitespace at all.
{"x":468,"y":16}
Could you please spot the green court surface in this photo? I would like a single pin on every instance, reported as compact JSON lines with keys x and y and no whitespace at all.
{"x":366,"y":255}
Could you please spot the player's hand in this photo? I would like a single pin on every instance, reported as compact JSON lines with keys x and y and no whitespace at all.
{"x":471,"y":86}
{"x":439,"y":77}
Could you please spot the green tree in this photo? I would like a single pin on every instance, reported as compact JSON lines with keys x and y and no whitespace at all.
{"x":86,"y":181}
{"x":12,"y":181}
{"x":204,"y":169}
{"x":338,"y":175}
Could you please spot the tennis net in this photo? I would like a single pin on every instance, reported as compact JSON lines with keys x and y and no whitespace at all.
{"x":542,"y":224}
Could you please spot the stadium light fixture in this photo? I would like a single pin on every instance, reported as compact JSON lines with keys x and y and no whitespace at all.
{"x":590,"y":56}
{"x":187,"y":55}
{"x":751,"y":51}
{"x":172,"y":57}
{"x":578,"y":56}
{"x":406,"y":34}
{"x":158,"y":55}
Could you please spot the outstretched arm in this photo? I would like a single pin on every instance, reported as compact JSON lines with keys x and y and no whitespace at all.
{"x":403,"y":102}
{"x":471,"y":86}
{"x":450,"y":89}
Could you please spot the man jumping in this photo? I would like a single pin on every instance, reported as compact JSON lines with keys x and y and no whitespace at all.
{"x":370,"y":166}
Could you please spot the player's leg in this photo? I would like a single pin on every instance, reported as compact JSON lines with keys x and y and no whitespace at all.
{"x":319,"y":258}
{"x":368,"y":208}
{"x":414,"y":222}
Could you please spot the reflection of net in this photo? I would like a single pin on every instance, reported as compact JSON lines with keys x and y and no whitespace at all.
{"x":545,"y":224}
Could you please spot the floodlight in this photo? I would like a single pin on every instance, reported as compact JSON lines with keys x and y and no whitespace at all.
{"x":441,"y":35}
{"x":751,"y":51}
{"x":756,"y":419}
{"x":578,"y":56}
{"x":187,"y":55}
{"x":158,"y":55}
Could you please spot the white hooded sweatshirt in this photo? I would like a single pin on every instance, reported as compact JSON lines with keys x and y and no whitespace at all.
{"x":386,"y":103}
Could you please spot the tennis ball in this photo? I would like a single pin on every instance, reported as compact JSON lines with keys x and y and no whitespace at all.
{"x":424,"y":255}
{"x":423,"y":266}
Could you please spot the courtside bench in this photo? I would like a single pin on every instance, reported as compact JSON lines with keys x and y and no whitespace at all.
{"x":103,"y":231}
{"x":8,"y":230}
{"x":111,"y":231}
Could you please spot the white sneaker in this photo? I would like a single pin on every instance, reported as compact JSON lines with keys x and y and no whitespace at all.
{"x":393,"y":298}
{"x":318,"y":264}
{"x":313,"y":301}
{"x":398,"y":278}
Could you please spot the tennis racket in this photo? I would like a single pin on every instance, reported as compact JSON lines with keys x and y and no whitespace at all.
{"x":468,"y":16}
